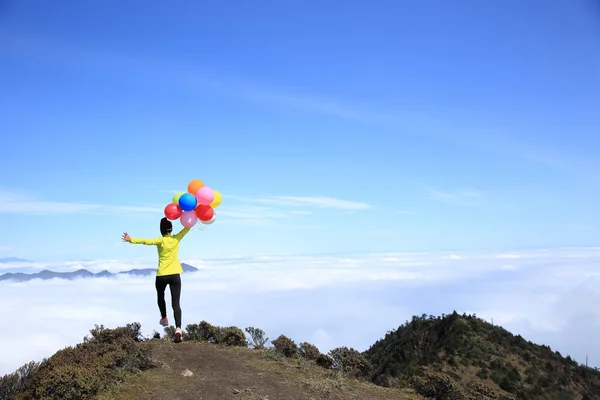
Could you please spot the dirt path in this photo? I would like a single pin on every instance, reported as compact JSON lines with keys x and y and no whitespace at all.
{"x":239,"y":373}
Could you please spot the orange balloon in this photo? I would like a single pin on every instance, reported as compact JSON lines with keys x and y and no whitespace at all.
{"x":194,"y":186}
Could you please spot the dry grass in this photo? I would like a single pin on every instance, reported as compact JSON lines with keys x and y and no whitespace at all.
{"x":241,"y":373}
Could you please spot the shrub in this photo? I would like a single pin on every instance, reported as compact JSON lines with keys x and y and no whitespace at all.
{"x":257,"y":336}
{"x":483,"y":373}
{"x":11,"y":384}
{"x":285,"y":346}
{"x":232,"y":336}
{"x":351,"y":362}
{"x":323,"y":360}
{"x":81,"y":372}
{"x":437,"y":386}
{"x":100,"y":334}
{"x":191,"y":332}
{"x":229,"y":336}
{"x":208,"y":332}
{"x":309,"y":351}
{"x":170,"y":332}
{"x":201,"y":332}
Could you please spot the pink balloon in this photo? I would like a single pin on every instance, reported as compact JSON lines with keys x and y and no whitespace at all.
{"x":205,"y":195}
{"x":188,"y":219}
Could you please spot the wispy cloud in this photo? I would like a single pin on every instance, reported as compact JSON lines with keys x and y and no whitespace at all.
{"x":250,"y":214}
{"x":532,"y":296}
{"x":245,"y":210}
{"x":413,"y":122}
{"x":314,"y":201}
{"x":462,"y":197}
{"x":405,"y":212}
{"x":13,"y":203}
{"x":267,"y":210}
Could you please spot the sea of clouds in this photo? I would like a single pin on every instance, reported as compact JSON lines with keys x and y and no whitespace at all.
{"x":547,"y":296}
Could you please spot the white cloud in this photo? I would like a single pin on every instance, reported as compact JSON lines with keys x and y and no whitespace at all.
{"x":314,"y":201}
{"x":461,"y":197}
{"x":13,"y":203}
{"x":243,"y":210}
{"x":266,"y":210}
{"x":301,"y":212}
{"x":508,"y":255}
{"x":546,"y":299}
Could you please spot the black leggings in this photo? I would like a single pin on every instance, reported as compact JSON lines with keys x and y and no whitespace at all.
{"x":174,"y":282}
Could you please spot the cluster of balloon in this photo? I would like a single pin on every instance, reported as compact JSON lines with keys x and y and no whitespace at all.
{"x":198,"y":203}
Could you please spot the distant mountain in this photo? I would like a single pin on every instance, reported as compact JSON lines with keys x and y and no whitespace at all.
{"x":82,"y":273}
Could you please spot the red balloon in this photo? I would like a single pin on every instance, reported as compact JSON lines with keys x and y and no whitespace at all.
{"x":173,"y":211}
{"x":204,"y":213}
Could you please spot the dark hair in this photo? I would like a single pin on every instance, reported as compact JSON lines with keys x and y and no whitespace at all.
{"x":165,"y":226}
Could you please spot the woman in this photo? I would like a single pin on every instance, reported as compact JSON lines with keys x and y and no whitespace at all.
{"x":168,"y":272}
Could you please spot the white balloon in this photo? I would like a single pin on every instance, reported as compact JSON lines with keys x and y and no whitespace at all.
{"x":210,"y":221}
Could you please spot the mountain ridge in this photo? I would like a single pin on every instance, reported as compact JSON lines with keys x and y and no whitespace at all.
{"x":82,"y":273}
{"x":452,"y":357}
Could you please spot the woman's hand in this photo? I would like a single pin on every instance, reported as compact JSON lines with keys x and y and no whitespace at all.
{"x":126,"y":237}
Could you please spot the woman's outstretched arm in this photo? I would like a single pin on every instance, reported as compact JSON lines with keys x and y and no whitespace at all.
{"x":149,"y":242}
{"x":182,"y":233}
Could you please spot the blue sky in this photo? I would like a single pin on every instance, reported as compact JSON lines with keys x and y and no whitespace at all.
{"x":392,"y":158}
{"x":329,"y":127}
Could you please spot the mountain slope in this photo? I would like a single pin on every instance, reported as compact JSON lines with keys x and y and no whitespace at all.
{"x":474,"y":356}
{"x":119,"y":364}
{"x":451,"y":357}
{"x":82,"y":273}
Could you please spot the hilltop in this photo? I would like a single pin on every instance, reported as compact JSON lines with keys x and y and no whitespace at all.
{"x":469,"y":356}
{"x":212,"y":363}
{"x":452,"y":357}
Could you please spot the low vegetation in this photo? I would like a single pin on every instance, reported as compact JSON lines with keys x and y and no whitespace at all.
{"x":105,"y":357}
{"x":454,"y":357}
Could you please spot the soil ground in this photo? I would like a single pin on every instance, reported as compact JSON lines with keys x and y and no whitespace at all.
{"x":220,"y":373}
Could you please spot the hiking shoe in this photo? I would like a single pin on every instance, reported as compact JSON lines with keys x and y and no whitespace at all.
{"x":164,"y":321}
{"x":178,"y":335}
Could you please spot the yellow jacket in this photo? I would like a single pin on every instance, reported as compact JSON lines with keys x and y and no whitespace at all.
{"x":168,"y":252}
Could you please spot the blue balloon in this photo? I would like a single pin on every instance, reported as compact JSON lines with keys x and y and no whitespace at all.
{"x":187,"y":202}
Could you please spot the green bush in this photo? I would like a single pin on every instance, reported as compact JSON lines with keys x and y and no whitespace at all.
{"x":201,"y":332}
{"x":351,"y":362}
{"x":83,"y":371}
{"x":437,"y":386}
{"x":232,"y":336}
{"x":100,"y":334}
{"x":285,"y":346}
{"x":257,"y":336}
{"x":170,"y":332}
{"x":229,"y":336}
{"x":324,"y":361}
{"x":309,"y":351}
{"x":483,"y":373}
{"x":13,"y":383}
